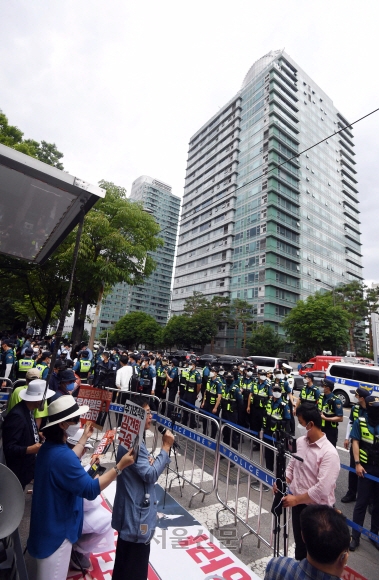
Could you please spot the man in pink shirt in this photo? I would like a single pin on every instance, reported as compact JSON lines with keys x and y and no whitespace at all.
{"x":313,"y":480}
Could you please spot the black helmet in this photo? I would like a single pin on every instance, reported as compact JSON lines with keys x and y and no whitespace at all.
{"x":215,"y":369}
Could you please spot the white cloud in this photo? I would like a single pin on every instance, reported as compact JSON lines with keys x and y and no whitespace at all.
{"x":120,"y":87}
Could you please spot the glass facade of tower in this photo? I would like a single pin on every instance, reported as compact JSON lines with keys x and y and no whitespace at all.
{"x":260,"y":223}
{"x":152,"y":297}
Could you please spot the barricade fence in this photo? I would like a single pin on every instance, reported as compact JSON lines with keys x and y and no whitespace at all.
{"x":220,"y":438}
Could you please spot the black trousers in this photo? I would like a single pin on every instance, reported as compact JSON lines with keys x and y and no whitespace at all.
{"x":132,"y":561}
{"x":367,"y":490}
{"x":353,"y":477}
{"x":331,"y":435}
{"x":227,"y":432}
{"x":256,"y":419}
{"x":300,"y":549}
{"x":209,"y":409}
{"x":190,"y":398}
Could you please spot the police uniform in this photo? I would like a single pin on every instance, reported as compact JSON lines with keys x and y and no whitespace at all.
{"x":23,"y":366}
{"x":173,"y":385}
{"x":190,"y":395}
{"x":82,"y":367}
{"x":161,"y":381}
{"x":274,"y":411}
{"x":288,"y":383}
{"x":183,"y":381}
{"x":212,"y":391}
{"x":230,"y":401}
{"x":368,"y":438}
{"x":355,"y":412}
{"x":146,"y":380}
{"x":245,"y":385}
{"x":43,"y":369}
{"x":204,"y":380}
{"x":330,"y":405}
{"x":7,"y":358}
{"x":259,"y":397}
{"x":105,"y":375}
{"x":309,"y":394}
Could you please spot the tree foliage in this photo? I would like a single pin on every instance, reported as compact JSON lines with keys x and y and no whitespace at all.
{"x":315,"y":324}
{"x":136,"y":329}
{"x":264,"y":341}
{"x":175,"y":333}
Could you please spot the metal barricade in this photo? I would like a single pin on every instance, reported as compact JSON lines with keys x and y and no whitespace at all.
{"x":199,"y":442}
{"x":236,"y":445}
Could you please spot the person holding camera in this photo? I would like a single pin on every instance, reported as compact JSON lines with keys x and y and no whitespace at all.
{"x":313,"y":480}
{"x":60,"y":484}
{"x":135,"y":507}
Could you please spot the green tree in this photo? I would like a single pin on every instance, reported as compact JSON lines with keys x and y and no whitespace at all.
{"x":11,"y":136}
{"x":372,"y":304}
{"x":135,"y":329}
{"x":195,"y":303}
{"x":315,"y":324}
{"x":220,"y":315}
{"x":242,"y":314}
{"x":175,"y":333}
{"x":201,"y":329}
{"x":352,"y":299}
{"x":264,"y":341}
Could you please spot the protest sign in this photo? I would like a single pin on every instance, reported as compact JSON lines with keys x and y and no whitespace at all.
{"x":105,"y":443}
{"x":98,"y":401}
{"x":132,"y":426}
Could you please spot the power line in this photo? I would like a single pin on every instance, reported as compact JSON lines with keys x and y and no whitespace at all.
{"x":277,"y":166}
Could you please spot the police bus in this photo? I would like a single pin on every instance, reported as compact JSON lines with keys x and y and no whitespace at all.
{"x":348,"y":377}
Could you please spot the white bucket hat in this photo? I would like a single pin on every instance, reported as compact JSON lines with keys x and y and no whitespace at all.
{"x":63,"y":409}
{"x":35,"y":390}
{"x":74,"y":434}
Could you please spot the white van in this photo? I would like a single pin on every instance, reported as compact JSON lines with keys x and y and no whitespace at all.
{"x":348,"y":377}
{"x":268,"y":363}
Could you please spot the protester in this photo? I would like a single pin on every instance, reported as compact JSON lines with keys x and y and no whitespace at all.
{"x":21,"y":440}
{"x":60,"y":483}
{"x":15,"y":398}
{"x":326,"y":538}
{"x":135,"y":508}
{"x":67,"y":384}
{"x":313,"y":480}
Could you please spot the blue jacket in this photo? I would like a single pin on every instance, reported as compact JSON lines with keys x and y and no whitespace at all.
{"x":134,"y":522}
{"x":60,"y":483}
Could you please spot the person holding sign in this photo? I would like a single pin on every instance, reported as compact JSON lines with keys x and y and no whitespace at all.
{"x":60,"y":484}
{"x":135,"y":510}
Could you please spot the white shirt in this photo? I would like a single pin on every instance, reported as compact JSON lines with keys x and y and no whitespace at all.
{"x":123,"y":377}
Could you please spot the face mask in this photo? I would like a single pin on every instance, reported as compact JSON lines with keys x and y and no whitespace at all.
{"x":280,"y":376}
{"x":35,"y":349}
{"x":301,"y":428}
{"x":305,"y":381}
{"x":70,"y":387}
{"x":276,"y":395}
{"x":262,"y":377}
{"x":249,"y":374}
{"x":212,"y":375}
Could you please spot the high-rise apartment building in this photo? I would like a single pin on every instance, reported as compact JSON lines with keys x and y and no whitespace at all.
{"x":259,"y":221}
{"x":153,"y":296}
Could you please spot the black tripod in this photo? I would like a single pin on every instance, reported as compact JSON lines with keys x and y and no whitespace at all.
{"x":177,"y":476}
{"x":283,"y":442}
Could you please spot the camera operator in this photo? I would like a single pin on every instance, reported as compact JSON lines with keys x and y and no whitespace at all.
{"x":313,"y":480}
{"x":135,"y":508}
{"x":276,"y":418}
{"x":326,"y":536}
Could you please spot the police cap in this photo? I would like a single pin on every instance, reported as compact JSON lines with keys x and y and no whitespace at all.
{"x":363,"y":392}
{"x":310,"y":376}
{"x":372,"y":401}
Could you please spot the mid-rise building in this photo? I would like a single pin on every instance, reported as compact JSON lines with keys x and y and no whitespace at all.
{"x":259,"y":221}
{"x":153,"y":296}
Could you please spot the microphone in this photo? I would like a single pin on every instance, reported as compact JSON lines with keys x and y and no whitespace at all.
{"x":163,"y":430}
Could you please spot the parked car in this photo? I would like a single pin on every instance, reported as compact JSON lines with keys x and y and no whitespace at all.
{"x":204,"y":359}
{"x":183,"y":356}
{"x":299,"y":379}
{"x":268,"y":363}
{"x":228,"y":361}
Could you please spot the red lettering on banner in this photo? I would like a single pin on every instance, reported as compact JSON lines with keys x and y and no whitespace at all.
{"x":216,"y":565}
{"x":193,"y":540}
{"x":209,"y":554}
{"x":349,"y":574}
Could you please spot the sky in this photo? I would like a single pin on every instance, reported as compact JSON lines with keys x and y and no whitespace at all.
{"x":121,"y":86}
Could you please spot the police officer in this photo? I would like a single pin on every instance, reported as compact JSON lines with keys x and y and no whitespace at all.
{"x":43,"y":364}
{"x":309,"y":392}
{"x":115,"y":356}
{"x":148,"y":377}
{"x":358,"y":410}
{"x":183,"y":380}
{"x":160,"y":389}
{"x":134,"y":381}
{"x":256,"y":404}
{"x":7,"y":360}
{"x":205,"y":377}
{"x":192,"y":389}
{"x":289,"y":383}
{"x":276,"y":416}
{"x":245,"y":385}
{"x":158,"y":360}
{"x":24,"y":364}
{"x":365,"y":436}
{"x":105,"y":374}
{"x":83,"y":365}
{"x":212,"y":399}
{"x":331,"y":412}
{"x":231,"y":398}
{"x":172,"y":376}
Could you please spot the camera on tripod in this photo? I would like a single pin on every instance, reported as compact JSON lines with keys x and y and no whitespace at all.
{"x":283,"y":439}
{"x":175,"y":417}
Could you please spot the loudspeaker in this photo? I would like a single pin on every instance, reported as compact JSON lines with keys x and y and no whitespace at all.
{"x":12,"y":502}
